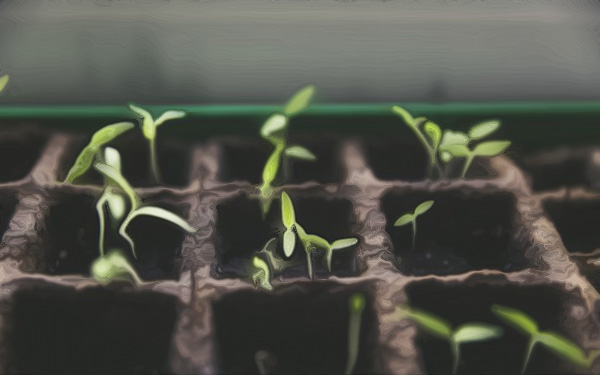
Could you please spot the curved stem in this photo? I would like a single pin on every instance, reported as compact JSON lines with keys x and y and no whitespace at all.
{"x":309,"y":263}
{"x":100,"y":210}
{"x":353,"y":341}
{"x":532,"y":342}
{"x":414,"y":239}
{"x":467,"y":164}
{"x":154,"y":161}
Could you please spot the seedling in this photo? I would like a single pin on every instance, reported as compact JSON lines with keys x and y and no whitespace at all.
{"x":3,"y":82}
{"x":449,"y":144}
{"x":100,"y":138}
{"x":114,"y":266}
{"x":274,"y":130}
{"x":310,"y":242}
{"x":356,"y":306}
{"x":440,"y":328}
{"x":411,"y":217}
{"x":136,"y":208}
{"x":149,"y":126}
{"x":553,"y":341}
{"x":262,"y":277}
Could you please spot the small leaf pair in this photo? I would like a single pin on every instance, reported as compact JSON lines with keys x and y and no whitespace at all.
{"x":149,"y":126}
{"x":274,"y":131}
{"x":551,"y":340}
{"x":440,"y":328}
{"x":411,"y":217}
{"x":310,"y":242}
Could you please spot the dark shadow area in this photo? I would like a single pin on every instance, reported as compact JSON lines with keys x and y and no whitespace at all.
{"x":304,"y":328}
{"x":460,"y":304}
{"x":8,"y":203}
{"x":549,"y":171}
{"x":577,"y":223}
{"x":57,"y":330}
{"x":458,"y":234}
{"x":19,"y":152}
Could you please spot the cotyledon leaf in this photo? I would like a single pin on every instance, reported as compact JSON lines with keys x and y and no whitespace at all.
{"x":275,"y":123}
{"x":451,"y":138}
{"x":300,"y":100}
{"x":429,"y":322}
{"x":404,"y":114}
{"x":458,"y":150}
{"x":148,"y":126}
{"x":423,"y":207}
{"x":516,"y":318}
{"x":299,"y":152}
{"x":434,"y":133}
{"x":168,"y":116}
{"x":475,"y":332}
{"x":491,"y":148}
{"x":287,"y":211}
{"x":483,"y":129}
{"x":343,"y":243}
{"x":404,"y":219}
{"x":289,"y":242}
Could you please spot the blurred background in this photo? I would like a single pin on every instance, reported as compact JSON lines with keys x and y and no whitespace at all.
{"x":260,"y":51}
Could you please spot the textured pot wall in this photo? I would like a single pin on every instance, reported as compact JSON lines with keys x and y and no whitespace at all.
{"x":112,"y":51}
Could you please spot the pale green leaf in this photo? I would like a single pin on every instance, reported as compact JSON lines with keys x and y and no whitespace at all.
{"x":343,"y":243}
{"x":3,"y":82}
{"x":491,"y":148}
{"x":451,"y":138}
{"x":299,"y":152}
{"x":427,"y":321}
{"x":163,"y":214}
{"x":300,"y":100}
{"x":289,"y":242}
{"x":470,"y":332}
{"x":112,"y":158}
{"x":563,"y":347}
{"x":404,"y":219}
{"x":113,"y":266}
{"x":118,"y":178}
{"x":516,"y":318}
{"x":423,"y":207}
{"x":148,"y":127}
{"x":168,"y":116}
{"x":434,"y":133}
{"x":272,"y":166}
{"x":116,"y":206}
{"x":458,"y":150}
{"x":287,"y":210}
{"x":483,"y":129}
{"x":405,"y":115}
{"x":316,"y":241}
{"x":277,"y":122}
{"x":82,"y":164}
{"x":259,"y":263}
{"x":108,"y":133}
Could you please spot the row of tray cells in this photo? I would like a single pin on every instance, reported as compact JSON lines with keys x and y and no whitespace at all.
{"x":104,"y":330}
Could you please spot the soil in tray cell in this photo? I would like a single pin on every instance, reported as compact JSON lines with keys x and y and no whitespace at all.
{"x":456,"y":235}
{"x":460,"y":304}
{"x":72,"y":240}
{"x":572,"y":170}
{"x":242,"y":231}
{"x":19,"y":154}
{"x":8,"y":202}
{"x":304,"y":330}
{"x":577,"y":222}
{"x":94,"y":331}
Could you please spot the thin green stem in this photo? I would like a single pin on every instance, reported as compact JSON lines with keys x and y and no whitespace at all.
{"x":309,"y":263}
{"x":467,"y":164}
{"x":455,"y":355}
{"x":530,"y":346}
{"x":154,"y":161}
{"x":353,"y":341}
{"x":414,"y":239}
{"x":100,"y":210}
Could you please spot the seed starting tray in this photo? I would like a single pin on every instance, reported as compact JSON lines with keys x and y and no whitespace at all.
{"x":490,"y":239}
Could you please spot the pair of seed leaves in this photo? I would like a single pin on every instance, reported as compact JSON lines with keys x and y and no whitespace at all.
{"x":274,"y":131}
{"x":472,"y":332}
{"x":110,"y":132}
{"x":453,"y":144}
{"x":3,"y":82}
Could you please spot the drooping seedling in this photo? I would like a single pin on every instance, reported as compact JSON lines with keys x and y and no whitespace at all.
{"x":440,"y":328}
{"x":411,"y":217}
{"x":262,"y":276}
{"x":136,"y":208}
{"x":149,"y":126}
{"x":553,"y":341}
{"x":3,"y":82}
{"x":356,"y":306}
{"x":99,"y":139}
{"x":310,"y":242}
{"x":274,"y":130}
{"x":114,"y":266}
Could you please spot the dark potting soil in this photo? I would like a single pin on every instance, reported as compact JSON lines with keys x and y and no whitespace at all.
{"x":577,"y":222}
{"x":58,"y":330}
{"x":304,"y":328}
{"x":8,"y":202}
{"x":244,"y":160}
{"x":72,"y":241}
{"x":19,"y":154}
{"x":572,"y":171}
{"x":460,"y":304}
{"x":456,"y":235}
{"x":242,"y":231}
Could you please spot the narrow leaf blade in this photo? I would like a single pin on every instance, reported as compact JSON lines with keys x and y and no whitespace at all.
{"x":287,"y":210}
{"x":491,"y":148}
{"x":109,"y":132}
{"x":163,"y":214}
{"x":470,"y":332}
{"x":82,"y":164}
{"x":457,"y":150}
{"x":300,"y":100}
{"x":277,"y":122}
{"x":343,"y":243}
{"x":404,"y":114}
{"x":404,"y":219}
{"x":563,"y":347}
{"x":483,"y":129}
{"x":147,"y":121}
{"x":289,"y":242}
{"x":271,"y":167}
{"x":423,"y":207}
{"x":168,"y":116}
{"x":299,"y":152}
{"x":434,"y":133}
{"x":427,"y":321}
{"x":516,"y":318}
{"x":451,"y":138}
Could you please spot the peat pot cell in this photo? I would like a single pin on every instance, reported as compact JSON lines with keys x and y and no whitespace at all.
{"x":303,"y":329}
{"x":242,"y":231}
{"x":173,"y":161}
{"x":72,"y":240}
{"x":244,"y":159}
{"x":56,"y":330}
{"x":460,"y":304}
{"x":19,"y":153}
{"x":8,"y":202}
{"x":561,"y":168}
{"x":456,"y":235}
{"x":577,"y":223}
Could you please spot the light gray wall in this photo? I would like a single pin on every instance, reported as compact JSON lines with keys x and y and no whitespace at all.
{"x":157,"y":51}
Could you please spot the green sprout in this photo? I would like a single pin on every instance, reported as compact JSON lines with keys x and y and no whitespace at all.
{"x":114,"y":175}
{"x":3,"y":82}
{"x":310,"y":242}
{"x":114,"y":266}
{"x":449,"y":144}
{"x":100,"y":138}
{"x":553,"y":341}
{"x":411,"y":217}
{"x":440,"y":328}
{"x":274,"y":131}
{"x":262,"y":277}
{"x":149,"y":125}
{"x":356,"y":305}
